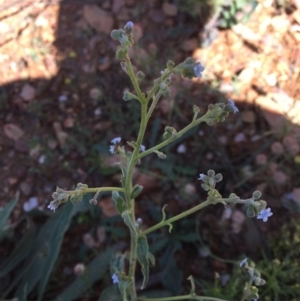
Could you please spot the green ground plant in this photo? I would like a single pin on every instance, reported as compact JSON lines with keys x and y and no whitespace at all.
{"x":123,"y":265}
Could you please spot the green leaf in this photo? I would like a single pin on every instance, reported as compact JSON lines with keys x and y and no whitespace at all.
{"x":136,"y":190}
{"x":111,"y":293}
{"x":129,"y":223}
{"x":20,"y":252}
{"x":151,"y":258}
{"x":123,"y":286}
{"x":119,"y":202}
{"x":5,"y":213}
{"x":142,"y":256}
{"x":95,"y":270}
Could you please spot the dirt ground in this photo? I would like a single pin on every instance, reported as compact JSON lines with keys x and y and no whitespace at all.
{"x":61,"y":103}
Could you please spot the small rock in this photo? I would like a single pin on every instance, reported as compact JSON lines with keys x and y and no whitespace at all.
{"x":12,"y":181}
{"x":98,"y":18}
{"x":21,"y":145}
{"x":52,"y":144}
{"x":79,"y":269}
{"x":190,"y":44}
{"x":27,"y":92}
{"x":60,"y":134}
{"x":249,"y":116}
{"x":104,"y":63}
{"x":26,"y":188}
{"x":277,"y":148}
{"x":95,"y":93}
{"x":89,"y":240}
{"x":102,"y":126}
{"x":101,"y":234}
{"x":170,"y":9}
{"x":34,"y":152}
{"x":108,"y":207}
{"x":165,"y":105}
{"x":69,"y":122}
{"x":41,"y":21}
{"x":291,"y":144}
{"x":148,"y":181}
{"x":238,"y":219}
{"x":13,"y":131}
{"x":279,"y":177}
{"x":240,"y":137}
{"x":209,"y":155}
{"x":261,"y":159}
{"x":223,"y":139}
{"x":137,"y":32}
{"x":157,"y":16}
{"x":30,"y":204}
{"x":117,"y":5}
{"x":189,"y":189}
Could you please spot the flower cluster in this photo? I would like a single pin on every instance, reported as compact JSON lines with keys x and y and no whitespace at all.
{"x":114,"y":143}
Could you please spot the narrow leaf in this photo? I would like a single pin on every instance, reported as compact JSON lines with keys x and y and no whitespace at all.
{"x":5,"y":213}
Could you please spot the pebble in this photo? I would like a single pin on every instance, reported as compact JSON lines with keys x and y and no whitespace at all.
{"x":170,"y":9}
{"x":190,"y":44}
{"x":238,"y":219}
{"x":27,"y":92}
{"x":98,"y":18}
{"x":95,"y":93}
{"x":13,"y":131}
{"x":277,"y":148}
{"x":240,"y":137}
{"x":117,"y":5}
{"x":157,"y":16}
{"x":249,"y":116}
{"x":26,"y":188}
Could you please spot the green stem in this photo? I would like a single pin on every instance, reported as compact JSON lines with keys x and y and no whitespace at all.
{"x":95,"y":189}
{"x":184,"y":297}
{"x":178,"y":135}
{"x":175,"y":218}
{"x":153,"y":105}
{"x":156,"y":86}
{"x":128,"y":181}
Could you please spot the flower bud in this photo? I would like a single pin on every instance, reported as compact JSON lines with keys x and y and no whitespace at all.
{"x":116,"y":34}
{"x":128,"y":96}
{"x":128,"y":27}
{"x":140,"y":75}
{"x":256,"y":194}
{"x":170,"y":64}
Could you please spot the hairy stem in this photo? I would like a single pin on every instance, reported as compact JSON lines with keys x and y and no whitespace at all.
{"x":184,"y":297}
{"x":176,"y":218}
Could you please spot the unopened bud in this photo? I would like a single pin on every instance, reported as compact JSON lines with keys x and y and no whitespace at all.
{"x":128,"y":27}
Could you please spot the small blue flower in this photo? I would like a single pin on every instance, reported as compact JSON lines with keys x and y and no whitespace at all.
{"x":129,"y":24}
{"x":198,"y":69}
{"x":115,"y":278}
{"x":112,"y":149}
{"x":232,"y":106}
{"x":128,"y":27}
{"x":265,"y":214}
{"x":142,"y":148}
{"x":116,"y":140}
{"x":243,"y":262}
{"x":201,"y":176}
